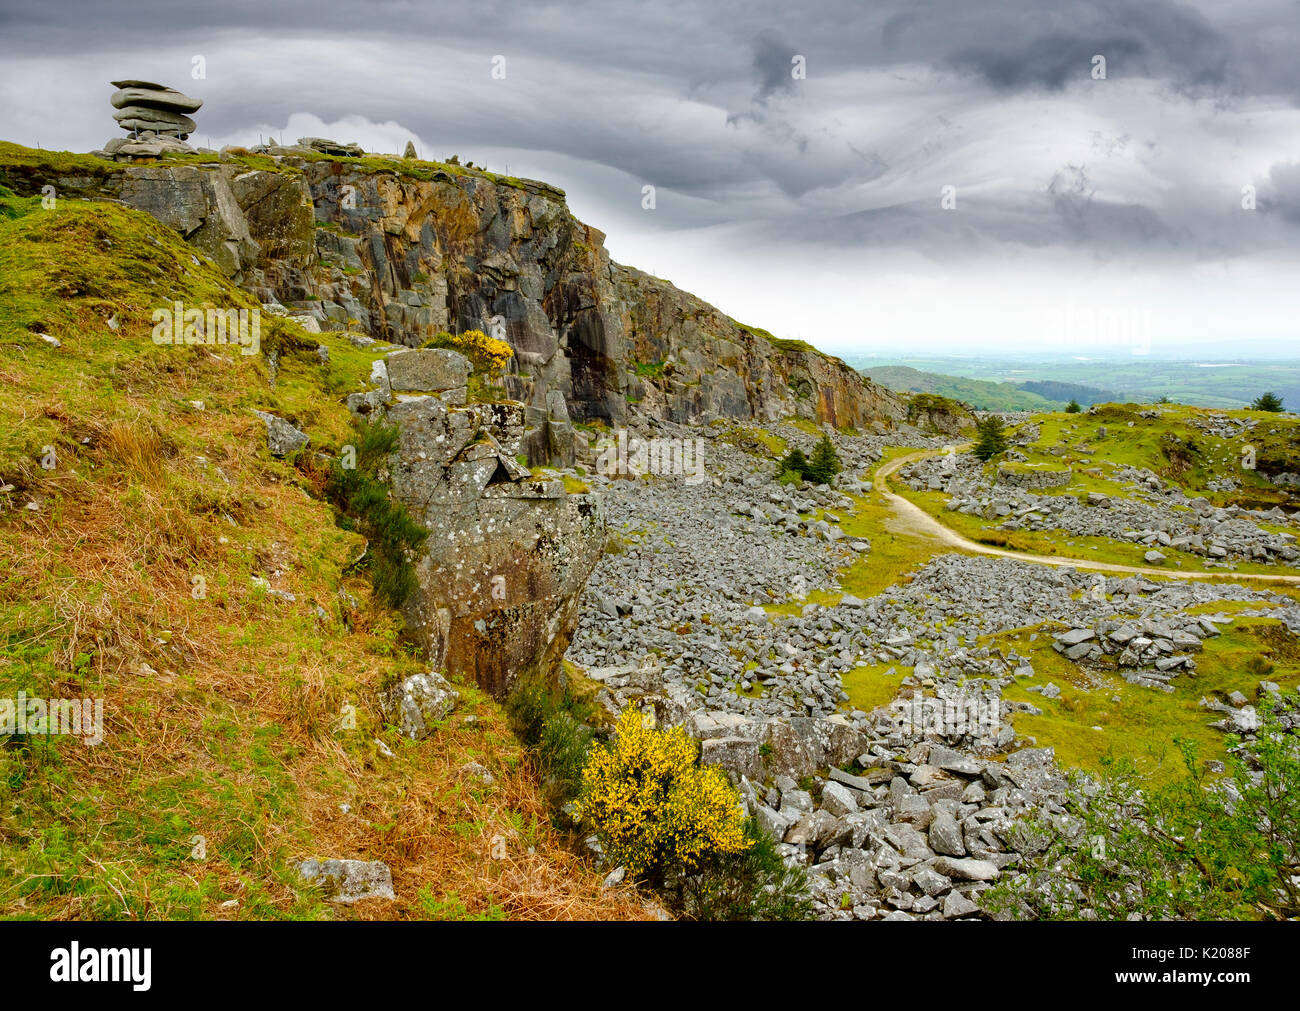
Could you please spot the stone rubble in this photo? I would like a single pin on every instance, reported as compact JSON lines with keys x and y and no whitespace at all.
{"x":349,"y":881}
{"x":1167,"y":518}
{"x":911,"y":811}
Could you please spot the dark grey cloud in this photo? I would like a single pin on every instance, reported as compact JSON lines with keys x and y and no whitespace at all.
{"x":902,"y":97}
{"x":1282,"y":193}
{"x":1049,"y":62}
{"x":773,"y":64}
{"x":980,"y":227}
{"x":1104,"y":225}
{"x":1008,"y":43}
{"x":1170,"y":41}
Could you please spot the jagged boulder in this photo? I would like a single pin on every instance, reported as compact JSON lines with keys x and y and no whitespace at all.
{"x":281,"y":437}
{"x":420,"y":702}
{"x":551,"y":440}
{"x":507,"y":556}
{"x":200,"y":205}
{"x":326,"y":146}
{"x":280,"y":217}
{"x":500,"y":583}
{"x":932,"y":413}
{"x":432,"y":370}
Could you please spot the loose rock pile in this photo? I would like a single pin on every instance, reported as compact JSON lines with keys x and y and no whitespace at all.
{"x":922,"y":833}
{"x":919,"y":831}
{"x":691,"y":566}
{"x":1190,"y":524}
{"x":903,"y":812}
{"x":1243,"y":719}
{"x":331,"y":147}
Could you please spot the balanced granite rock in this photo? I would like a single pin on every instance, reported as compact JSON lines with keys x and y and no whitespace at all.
{"x":156,"y":117}
{"x":151,"y":95}
{"x":136,"y":117}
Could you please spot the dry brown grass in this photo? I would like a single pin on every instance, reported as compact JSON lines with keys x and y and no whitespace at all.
{"x":222,"y":713}
{"x":137,"y":448}
{"x":446,"y":833}
{"x":117,"y":582}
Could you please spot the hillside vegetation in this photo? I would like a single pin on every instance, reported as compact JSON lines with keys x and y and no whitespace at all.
{"x":158,"y":558}
{"x":723,"y":714}
{"x":980,"y":394}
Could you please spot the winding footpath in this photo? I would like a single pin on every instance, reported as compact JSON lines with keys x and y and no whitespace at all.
{"x":911,"y":519}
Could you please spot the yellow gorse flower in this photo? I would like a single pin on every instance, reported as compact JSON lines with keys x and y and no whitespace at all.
{"x":651,"y":804}
{"x":487,"y":353}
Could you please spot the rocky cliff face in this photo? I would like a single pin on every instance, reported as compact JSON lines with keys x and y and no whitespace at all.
{"x":942,"y":415}
{"x":713,"y":366}
{"x":402,"y":250}
{"x":404,"y":258}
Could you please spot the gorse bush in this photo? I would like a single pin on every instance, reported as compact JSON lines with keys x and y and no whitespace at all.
{"x":364,"y":504}
{"x":1267,"y":402}
{"x":653,"y":808}
{"x":487,"y":354}
{"x":680,"y":828}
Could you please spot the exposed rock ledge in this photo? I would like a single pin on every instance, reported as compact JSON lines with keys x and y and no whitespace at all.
{"x":406,"y":251}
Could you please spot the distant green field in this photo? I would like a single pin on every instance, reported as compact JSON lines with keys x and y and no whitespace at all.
{"x":979,"y":393}
{"x":996,"y":383}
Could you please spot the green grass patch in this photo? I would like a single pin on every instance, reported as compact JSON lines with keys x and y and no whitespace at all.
{"x":873,"y":686}
{"x":1143,"y":725}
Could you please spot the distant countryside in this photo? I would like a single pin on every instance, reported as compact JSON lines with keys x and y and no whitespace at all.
{"x":1044,"y":384}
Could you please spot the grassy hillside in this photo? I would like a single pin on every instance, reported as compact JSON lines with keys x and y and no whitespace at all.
{"x":1174,"y":445}
{"x":1196,"y":381}
{"x":157,"y":557}
{"x":980,"y":394}
{"x":1063,"y":393}
{"x":1177,"y":445}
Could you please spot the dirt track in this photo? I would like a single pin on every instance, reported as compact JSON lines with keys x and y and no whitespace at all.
{"x":911,"y":520}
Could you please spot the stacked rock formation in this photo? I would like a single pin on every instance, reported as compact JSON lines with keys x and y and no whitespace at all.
{"x":155,"y":115}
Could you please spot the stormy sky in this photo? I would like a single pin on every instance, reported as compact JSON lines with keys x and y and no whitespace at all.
{"x":901,"y":177}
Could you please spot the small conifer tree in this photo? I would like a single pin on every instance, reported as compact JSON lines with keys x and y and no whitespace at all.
{"x":992,"y":439}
